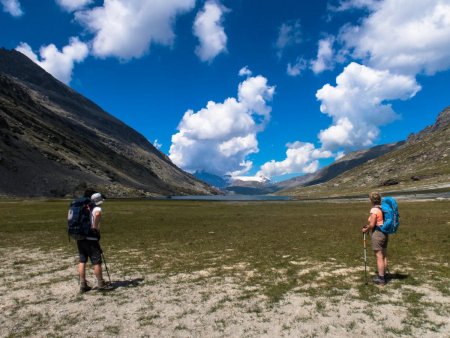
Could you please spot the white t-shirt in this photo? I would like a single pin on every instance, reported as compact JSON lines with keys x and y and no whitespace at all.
{"x":97,"y":211}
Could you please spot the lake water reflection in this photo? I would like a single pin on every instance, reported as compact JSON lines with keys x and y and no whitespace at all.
{"x":231,"y":198}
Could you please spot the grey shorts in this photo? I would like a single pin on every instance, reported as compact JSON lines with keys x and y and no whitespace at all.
{"x":379,"y":240}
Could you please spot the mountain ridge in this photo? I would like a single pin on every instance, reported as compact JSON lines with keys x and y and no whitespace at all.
{"x":56,"y":142}
{"x":347,"y":162}
{"x":419,"y":163}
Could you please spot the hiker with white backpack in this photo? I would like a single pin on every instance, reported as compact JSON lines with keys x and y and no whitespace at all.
{"x":383,"y":220}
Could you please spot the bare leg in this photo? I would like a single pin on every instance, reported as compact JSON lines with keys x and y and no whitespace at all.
{"x":98,"y":272}
{"x":380,"y":262}
{"x":82,"y":272}
{"x":84,"y":287}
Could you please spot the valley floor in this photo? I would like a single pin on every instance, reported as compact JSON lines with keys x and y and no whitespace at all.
{"x":221,"y":269}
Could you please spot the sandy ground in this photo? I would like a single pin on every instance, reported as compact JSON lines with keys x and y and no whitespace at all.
{"x":41,"y":299}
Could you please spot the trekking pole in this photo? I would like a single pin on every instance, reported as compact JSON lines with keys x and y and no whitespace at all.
{"x":106,"y":267}
{"x":365,"y":258}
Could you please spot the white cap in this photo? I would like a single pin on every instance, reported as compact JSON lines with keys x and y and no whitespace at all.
{"x":97,"y":198}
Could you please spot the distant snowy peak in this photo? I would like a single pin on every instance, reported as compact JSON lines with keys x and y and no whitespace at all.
{"x":227,"y":181}
{"x":257,"y":179}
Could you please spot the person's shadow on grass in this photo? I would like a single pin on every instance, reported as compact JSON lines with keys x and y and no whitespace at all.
{"x":397,"y":276}
{"x":125,"y":283}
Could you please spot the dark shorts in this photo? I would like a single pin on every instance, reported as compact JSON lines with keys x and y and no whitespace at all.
{"x":379,"y":240}
{"x":91,"y":249}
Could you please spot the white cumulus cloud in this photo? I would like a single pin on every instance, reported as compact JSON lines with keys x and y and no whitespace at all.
{"x":403,"y":36}
{"x":156,"y":144}
{"x":296,"y":68}
{"x":58,"y":63}
{"x":289,"y":34}
{"x":300,"y":158}
{"x":219,"y":137}
{"x":325,"y":55}
{"x":73,"y":5}
{"x":208,"y":28}
{"x":358,"y":105}
{"x":345,"y":5}
{"x":12,"y":7}
{"x":244,"y":71}
{"x":126,"y":28}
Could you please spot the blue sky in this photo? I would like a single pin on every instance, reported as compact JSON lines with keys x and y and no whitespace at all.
{"x":247,"y":87}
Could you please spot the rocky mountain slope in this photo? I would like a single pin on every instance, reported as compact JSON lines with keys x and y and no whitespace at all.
{"x":214,"y":180}
{"x":338,"y":167}
{"x":55,"y":142}
{"x":422,"y":163}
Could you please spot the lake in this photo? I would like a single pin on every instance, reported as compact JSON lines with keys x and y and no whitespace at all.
{"x":231,"y":198}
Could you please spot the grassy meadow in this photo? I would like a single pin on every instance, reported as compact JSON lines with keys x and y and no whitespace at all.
{"x":270,"y":248}
{"x":274,"y":240}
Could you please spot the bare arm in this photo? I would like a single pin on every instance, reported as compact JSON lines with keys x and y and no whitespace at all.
{"x":372,"y":223}
{"x":97,"y":216}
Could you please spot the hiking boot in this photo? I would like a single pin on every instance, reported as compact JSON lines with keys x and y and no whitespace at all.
{"x":104,"y":286}
{"x":379,"y":280}
{"x":84,"y":287}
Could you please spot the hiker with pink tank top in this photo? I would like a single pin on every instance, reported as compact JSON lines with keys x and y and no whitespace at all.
{"x":379,"y":238}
